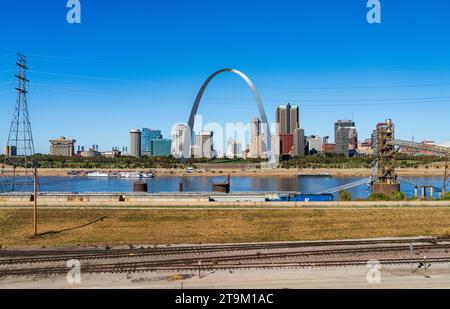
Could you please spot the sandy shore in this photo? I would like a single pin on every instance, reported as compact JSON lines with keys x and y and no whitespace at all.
{"x":279,"y":172}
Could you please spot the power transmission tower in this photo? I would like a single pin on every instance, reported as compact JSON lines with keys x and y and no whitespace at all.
{"x":18,"y":162}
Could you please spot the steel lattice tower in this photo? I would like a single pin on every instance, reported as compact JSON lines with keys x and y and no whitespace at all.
{"x":19,"y":150}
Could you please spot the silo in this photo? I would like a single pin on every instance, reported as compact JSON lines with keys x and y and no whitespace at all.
{"x":135,"y":143}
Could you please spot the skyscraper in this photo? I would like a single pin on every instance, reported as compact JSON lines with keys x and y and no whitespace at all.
{"x":255,"y":138}
{"x":203,"y":147}
{"x":147,"y":136}
{"x":299,"y":143}
{"x":345,"y":137}
{"x":287,"y":120}
{"x":178,"y":136}
{"x":234,"y":149}
{"x":135,"y":143}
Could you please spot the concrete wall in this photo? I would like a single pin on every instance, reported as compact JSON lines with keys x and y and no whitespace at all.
{"x":188,"y":200}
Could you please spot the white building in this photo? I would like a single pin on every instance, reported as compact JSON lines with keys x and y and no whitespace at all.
{"x":178,"y":136}
{"x":314,"y":144}
{"x":203,"y":147}
{"x":234,"y":149}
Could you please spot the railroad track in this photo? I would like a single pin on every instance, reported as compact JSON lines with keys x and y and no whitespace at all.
{"x":266,"y":255}
{"x":21,"y":257}
{"x":140,"y":267}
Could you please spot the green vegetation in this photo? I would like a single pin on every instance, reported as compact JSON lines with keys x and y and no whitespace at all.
{"x":317,"y":161}
{"x":399,"y":196}
{"x":340,"y":161}
{"x":345,"y":196}
{"x":446,"y":197}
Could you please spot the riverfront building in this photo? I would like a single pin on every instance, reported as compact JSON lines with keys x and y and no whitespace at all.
{"x":135,"y":143}
{"x":62,"y":147}
{"x":161,"y":147}
{"x":287,"y":120}
{"x":147,"y":136}
{"x":345,"y":137}
{"x":299,"y":143}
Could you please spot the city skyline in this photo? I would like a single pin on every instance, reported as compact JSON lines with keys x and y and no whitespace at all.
{"x":333,"y":66}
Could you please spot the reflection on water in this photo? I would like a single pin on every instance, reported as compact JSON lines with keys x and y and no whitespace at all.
{"x":203,"y":184}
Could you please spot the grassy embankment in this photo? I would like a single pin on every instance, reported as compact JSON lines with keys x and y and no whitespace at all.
{"x":123,"y":227}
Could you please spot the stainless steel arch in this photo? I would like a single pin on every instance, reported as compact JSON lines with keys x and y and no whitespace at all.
{"x":262,"y":113}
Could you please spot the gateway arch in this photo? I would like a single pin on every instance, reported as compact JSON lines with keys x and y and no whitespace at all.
{"x":262,"y":113}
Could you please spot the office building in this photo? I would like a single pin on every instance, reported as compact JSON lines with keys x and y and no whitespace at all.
{"x":329,"y":148}
{"x":114,"y":153}
{"x":62,"y":147}
{"x":203,"y":146}
{"x":90,"y":153}
{"x":135,"y":143}
{"x":147,"y":136}
{"x":234,"y":149}
{"x":255,"y":139}
{"x":161,"y":147}
{"x":314,"y":144}
{"x":346,"y":137}
{"x":178,"y":136}
{"x":287,"y":120}
{"x":299,"y":143}
{"x":374,"y":142}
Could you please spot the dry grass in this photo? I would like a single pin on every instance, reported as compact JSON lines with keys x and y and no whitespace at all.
{"x":215,"y":226}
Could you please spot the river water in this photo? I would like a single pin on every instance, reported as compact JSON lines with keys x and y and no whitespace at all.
{"x":304,"y":184}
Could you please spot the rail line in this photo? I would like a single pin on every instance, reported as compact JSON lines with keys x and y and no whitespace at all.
{"x":108,"y":253}
{"x":135,"y":268}
{"x":259,"y":254}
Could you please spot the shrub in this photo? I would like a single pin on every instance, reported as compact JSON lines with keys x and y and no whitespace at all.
{"x":399,"y":196}
{"x":345,"y":196}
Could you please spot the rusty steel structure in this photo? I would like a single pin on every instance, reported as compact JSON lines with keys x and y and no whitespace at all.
{"x":385,"y":179}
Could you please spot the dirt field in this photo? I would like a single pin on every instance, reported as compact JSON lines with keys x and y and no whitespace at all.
{"x":62,"y":227}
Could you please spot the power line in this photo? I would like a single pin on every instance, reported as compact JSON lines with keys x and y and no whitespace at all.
{"x":335,"y":100}
{"x":63,"y":58}
{"x":7,"y":55}
{"x":89,"y":77}
{"x":344,"y":87}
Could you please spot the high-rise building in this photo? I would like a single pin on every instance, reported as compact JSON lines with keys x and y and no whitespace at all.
{"x":161,"y":147}
{"x":62,"y":147}
{"x":314,"y":144}
{"x":299,"y":143}
{"x":178,"y":136}
{"x":135,"y":143}
{"x":345,"y":137}
{"x":255,"y":138}
{"x":234,"y":149}
{"x":374,"y":142}
{"x":203,"y":147}
{"x":147,"y":136}
{"x":287,"y":120}
{"x":326,"y":140}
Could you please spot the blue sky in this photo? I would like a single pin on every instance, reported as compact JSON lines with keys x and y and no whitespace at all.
{"x":140,"y":64}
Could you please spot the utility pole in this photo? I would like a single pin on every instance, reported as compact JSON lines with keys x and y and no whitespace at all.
{"x":444,"y":184}
{"x":35,"y":178}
